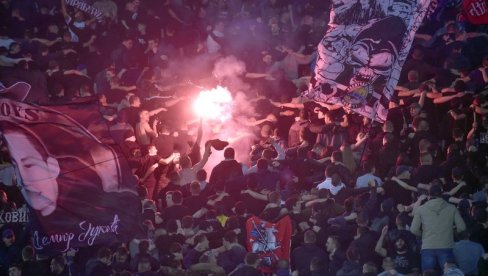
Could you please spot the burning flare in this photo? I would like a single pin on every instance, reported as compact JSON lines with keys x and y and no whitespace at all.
{"x":214,"y":104}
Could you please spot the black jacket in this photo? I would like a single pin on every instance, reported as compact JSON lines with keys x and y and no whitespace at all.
{"x":302,"y":255}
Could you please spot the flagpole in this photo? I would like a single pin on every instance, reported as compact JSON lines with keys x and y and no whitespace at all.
{"x":369,"y":131}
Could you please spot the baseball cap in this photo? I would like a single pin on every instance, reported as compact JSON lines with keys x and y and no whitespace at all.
{"x":218,"y":144}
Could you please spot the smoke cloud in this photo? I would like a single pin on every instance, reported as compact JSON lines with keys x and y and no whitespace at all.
{"x":230,"y":71}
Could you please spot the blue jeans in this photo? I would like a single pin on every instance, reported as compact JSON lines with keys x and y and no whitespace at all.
{"x":431,"y":257}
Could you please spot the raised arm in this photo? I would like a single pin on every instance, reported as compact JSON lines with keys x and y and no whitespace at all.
{"x":481,"y":110}
{"x":46,"y":42}
{"x":403,"y":184}
{"x":251,"y":75}
{"x":483,"y":74}
{"x":434,"y":95}
{"x":256,"y":195}
{"x":156,"y":111}
{"x":206,"y":154}
{"x":445,"y":99}
{"x":360,"y":142}
{"x":406,"y":92}
{"x":329,"y":106}
{"x":90,"y":21}
{"x":173,"y":102}
{"x":169,"y":159}
{"x":63,"y":9}
{"x":472,"y":131}
{"x":149,"y":172}
{"x":456,"y":116}
{"x":280,"y":150}
{"x":379,"y":244}
{"x":289,"y":105}
{"x":175,"y":17}
{"x":475,"y":34}
{"x":310,"y":203}
{"x":456,"y":189}
{"x":212,"y":202}
{"x":270,"y":118}
{"x":199,"y":133}
{"x":425,"y":37}
{"x":300,"y":58}
{"x":90,"y":41}
{"x":423,"y":95}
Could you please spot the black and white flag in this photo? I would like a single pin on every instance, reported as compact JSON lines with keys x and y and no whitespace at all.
{"x":361,"y":55}
{"x":85,"y":7}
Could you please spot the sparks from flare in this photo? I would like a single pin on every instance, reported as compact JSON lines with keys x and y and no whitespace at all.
{"x":214,"y":104}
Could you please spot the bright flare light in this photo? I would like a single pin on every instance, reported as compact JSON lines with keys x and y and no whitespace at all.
{"x":214,"y":104}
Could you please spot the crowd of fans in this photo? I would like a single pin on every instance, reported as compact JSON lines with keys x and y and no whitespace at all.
{"x":405,"y":197}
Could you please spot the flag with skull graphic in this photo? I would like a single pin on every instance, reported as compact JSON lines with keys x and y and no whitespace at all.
{"x":361,"y":55}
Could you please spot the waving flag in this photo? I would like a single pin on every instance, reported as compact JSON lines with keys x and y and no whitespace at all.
{"x":17,"y":91}
{"x":78,"y":187}
{"x":476,"y":11}
{"x":271,"y":241}
{"x":361,"y":55}
{"x":85,"y":7}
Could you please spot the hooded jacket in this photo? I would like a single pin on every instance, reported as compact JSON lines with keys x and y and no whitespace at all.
{"x":435,"y":221}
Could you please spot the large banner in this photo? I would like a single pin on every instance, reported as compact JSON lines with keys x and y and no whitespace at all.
{"x":78,"y":186}
{"x":271,"y":241}
{"x":362,"y":53}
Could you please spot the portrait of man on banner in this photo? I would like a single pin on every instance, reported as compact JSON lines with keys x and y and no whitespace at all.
{"x":73,"y":183}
